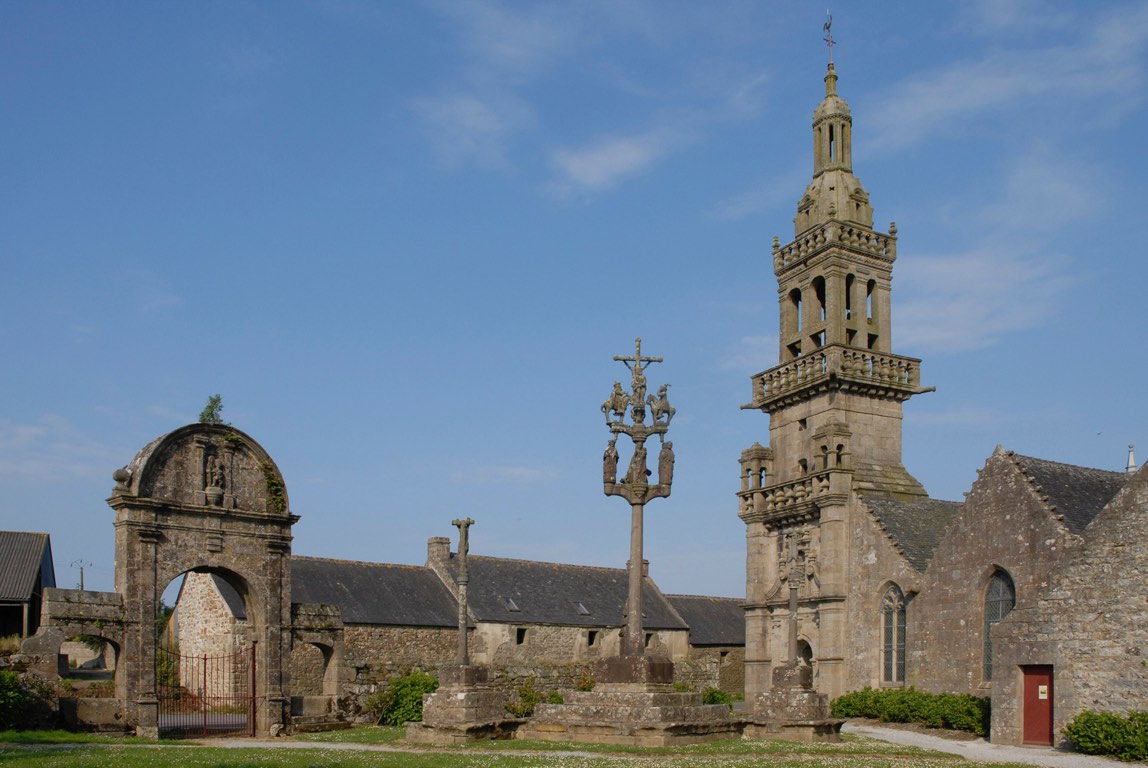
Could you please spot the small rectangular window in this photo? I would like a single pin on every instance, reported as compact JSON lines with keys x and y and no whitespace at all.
{"x":592,"y":637}
{"x":520,"y":635}
{"x":510,"y":604}
{"x":649,"y":637}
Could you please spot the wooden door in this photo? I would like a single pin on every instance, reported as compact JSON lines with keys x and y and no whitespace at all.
{"x":1037,"y":705}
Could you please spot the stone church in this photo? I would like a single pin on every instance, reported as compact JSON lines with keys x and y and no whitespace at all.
{"x":891,"y":587}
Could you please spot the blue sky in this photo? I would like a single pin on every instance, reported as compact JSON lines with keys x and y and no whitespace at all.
{"x":404,"y":240}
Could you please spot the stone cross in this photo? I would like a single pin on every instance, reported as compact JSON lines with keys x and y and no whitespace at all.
{"x":635,"y":487}
{"x":462,"y":658}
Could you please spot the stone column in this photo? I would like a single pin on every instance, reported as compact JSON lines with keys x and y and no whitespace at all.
{"x":634,"y":644}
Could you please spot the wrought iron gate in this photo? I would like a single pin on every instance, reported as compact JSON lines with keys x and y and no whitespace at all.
{"x":206,"y":695}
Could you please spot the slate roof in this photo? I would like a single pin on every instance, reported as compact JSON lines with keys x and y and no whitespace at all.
{"x":1075,"y":494}
{"x":916,"y":527}
{"x":374,"y":593}
{"x":23,"y":557}
{"x":712,"y":620}
{"x":550,"y":593}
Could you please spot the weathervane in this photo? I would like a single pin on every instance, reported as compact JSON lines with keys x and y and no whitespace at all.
{"x":634,"y":486}
{"x":828,"y":27}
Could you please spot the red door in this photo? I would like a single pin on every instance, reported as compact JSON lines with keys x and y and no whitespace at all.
{"x":1037,"y":705}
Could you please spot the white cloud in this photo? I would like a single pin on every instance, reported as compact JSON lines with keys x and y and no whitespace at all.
{"x":512,"y":42}
{"x":149,"y":290}
{"x":51,"y":450}
{"x":246,"y":61}
{"x":604,"y":163}
{"x":1101,"y":64}
{"x":754,"y":353}
{"x":511,"y":475}
{"x":971,"y":300}
{"x":466,"y":127}
{"x":765,"y":197}
{"x":970,"y":416}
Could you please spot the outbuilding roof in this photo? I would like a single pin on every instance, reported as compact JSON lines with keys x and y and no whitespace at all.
{"x":374,"y":593}
{"x":712,"y":620}
{"x":24,"y":557}
{"x":531,"y":592}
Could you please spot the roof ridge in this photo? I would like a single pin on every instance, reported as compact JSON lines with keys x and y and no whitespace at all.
{"x":542,"y":562}
{"x":359,"y":562}
{"x":707,"y":597}
{"x":1014,"y":455}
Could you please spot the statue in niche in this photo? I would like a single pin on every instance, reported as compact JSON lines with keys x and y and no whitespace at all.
{"x":610,"y":464}
{"x":214,"y":472}
{"x":666,"y":464}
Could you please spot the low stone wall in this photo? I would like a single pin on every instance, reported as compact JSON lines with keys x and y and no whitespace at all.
{"x":722,"y":668}
{"x":102,"y":715}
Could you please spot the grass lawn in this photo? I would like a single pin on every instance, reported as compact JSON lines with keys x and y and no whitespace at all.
{"x":380,"y":748}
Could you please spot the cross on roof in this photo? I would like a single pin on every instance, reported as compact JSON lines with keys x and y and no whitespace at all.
{"x":828,"y":27}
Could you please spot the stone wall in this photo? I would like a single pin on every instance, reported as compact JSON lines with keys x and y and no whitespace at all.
{"x":205,"y":626}
{"x":875,"y":566}
{"x":1090,"y":624}
{"x":1003,"y":524}
{"x":307,"y":666}
{"x":722,"y":668}
{"x":374,"y":653}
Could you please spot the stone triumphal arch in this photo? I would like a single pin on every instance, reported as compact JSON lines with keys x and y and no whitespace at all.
{"x":204,"y":498}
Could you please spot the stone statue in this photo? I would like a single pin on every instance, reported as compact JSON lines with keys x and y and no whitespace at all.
{"x":660,"y":405}
{"x":214,"y":473}
{"x":666,"y":463}
{"x":610,"y":464}
{"x":637,"y":473}
{"x":616,"y":403}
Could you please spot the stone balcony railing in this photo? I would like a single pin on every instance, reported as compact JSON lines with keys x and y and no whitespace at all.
{"x":875,"y":373}
{"x":796,"y":498}
{"x":855,"y":237}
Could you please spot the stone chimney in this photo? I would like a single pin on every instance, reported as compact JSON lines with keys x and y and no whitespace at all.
{"x":438,"y":551}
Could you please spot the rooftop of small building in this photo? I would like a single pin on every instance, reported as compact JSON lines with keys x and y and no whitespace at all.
{"x":24,"y":556}
{"x":374,"y":593}
{"x":712,"y":620}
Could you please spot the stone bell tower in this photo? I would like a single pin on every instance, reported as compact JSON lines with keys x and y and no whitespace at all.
{"x":834,"y":405}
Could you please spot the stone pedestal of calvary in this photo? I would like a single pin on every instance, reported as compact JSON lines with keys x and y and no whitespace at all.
{"x":464,"y":708}
{"x":792,"y":708}
{"x":633,"y":701}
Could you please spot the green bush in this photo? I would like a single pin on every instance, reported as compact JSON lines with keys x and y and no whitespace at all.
{"x":1103,"y":733}
{"x":716,"y":696}
{"x":14,"y":700}
{"x":528,"y":699}
{"x":958,"y":712}
{"x":554,"y":697}
{"x":402,"y":700}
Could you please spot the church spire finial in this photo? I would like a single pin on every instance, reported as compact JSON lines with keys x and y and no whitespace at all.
{"x":828,"y":27}
{"x":1130,"y":467}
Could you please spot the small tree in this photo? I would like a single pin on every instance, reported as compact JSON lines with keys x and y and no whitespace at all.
{"x":212,"y":413}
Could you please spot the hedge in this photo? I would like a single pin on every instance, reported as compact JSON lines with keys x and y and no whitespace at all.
{"x":958,"y":712}
{"x":1103,"y":733}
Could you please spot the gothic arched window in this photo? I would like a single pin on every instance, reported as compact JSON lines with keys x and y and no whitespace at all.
{"x":893,"y":623}
{"x":1000,"y":598}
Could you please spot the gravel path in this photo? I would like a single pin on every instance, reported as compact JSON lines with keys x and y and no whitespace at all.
{"x":982,"y":751}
